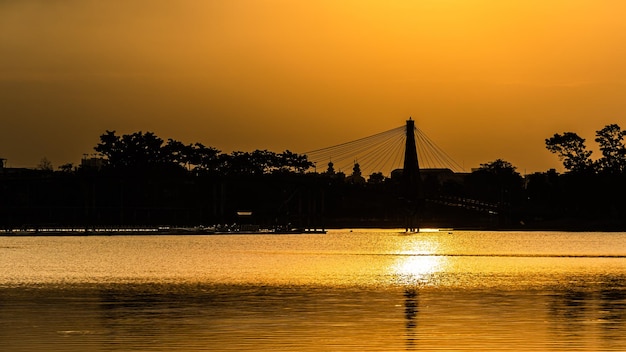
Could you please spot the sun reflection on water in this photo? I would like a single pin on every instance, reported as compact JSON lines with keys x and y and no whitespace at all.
{"x":418,"y":269}
{"x":419,"y":263}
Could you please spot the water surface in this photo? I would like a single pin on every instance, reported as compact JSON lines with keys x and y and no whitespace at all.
{"x":359,"y":290}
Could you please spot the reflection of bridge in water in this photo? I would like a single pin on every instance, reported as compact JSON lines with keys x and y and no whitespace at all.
{"x":405,"y":152}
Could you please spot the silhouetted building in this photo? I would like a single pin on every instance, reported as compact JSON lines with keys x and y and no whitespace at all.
{"x":331,"y":169}
{"x":442,"y":175}
{"x":356,"y":177}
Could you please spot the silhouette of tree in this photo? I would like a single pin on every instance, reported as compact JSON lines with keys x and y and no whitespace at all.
{"x":140,"y":151}
{"x":176,"y":152}
{"x":542,"y":187}
{"x":264,"y":161}
{"x":193,"y":156}
{"x":496,"y":181}
{"x":45,"y":165}
{"x":203,"y":158}
{"x":147,"y":151}
{"x":238,"y":163}
{"x":293,"y":162}
{"x":571,"y":149}
{"x":611,"y":141}
{"x":66,"y":168}
{"x":499,"y":167}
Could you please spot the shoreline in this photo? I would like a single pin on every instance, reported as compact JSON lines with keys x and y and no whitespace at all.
{"x":204,"y":232}
{"x":178,"y":231}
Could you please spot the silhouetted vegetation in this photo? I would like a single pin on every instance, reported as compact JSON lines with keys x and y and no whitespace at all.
{"x":141,"y":179}
{"x":591,"y":192}
{"x":571,"y":150}
{"x":141,"y":152}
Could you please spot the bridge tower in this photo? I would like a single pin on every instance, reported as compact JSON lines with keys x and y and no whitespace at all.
{"x":412,"y":190}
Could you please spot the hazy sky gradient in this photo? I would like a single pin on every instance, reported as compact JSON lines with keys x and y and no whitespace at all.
{"x":485,"y":79}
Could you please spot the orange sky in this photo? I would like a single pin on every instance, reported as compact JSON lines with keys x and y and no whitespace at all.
{"x":485,"y":79}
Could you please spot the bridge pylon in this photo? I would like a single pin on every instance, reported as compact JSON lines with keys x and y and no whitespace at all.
{"x":412,"y":188}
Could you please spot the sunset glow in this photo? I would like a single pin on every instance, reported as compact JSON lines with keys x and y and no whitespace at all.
{"x":485,"y":79}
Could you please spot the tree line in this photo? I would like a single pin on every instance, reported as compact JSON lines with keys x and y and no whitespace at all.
{"x":140,"y":178}
{"x":571,"y":149}
{"x":140,"y":150}
{"x":145,"y":151}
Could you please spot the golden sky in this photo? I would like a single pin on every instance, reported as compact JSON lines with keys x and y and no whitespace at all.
{"x":485,"y":79}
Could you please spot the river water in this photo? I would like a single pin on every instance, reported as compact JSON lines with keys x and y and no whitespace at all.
{"x":347,"y":290}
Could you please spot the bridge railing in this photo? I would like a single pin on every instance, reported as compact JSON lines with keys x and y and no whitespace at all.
{"x":469,"y":204}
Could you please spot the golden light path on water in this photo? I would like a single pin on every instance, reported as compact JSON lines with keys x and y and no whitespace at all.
{"x":346,"y":290}
{"x":418,"y":262}
{"x":363,"y":257}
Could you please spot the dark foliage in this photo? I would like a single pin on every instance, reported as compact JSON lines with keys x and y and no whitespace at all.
{"x":144,"y":152}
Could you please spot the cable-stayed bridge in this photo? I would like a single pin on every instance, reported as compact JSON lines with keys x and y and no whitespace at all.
{"x":404,"y":150}
{"x":384,"y":152}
